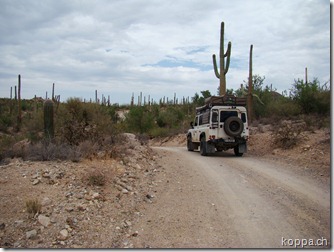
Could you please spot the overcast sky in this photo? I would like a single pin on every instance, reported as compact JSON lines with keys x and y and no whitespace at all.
{"x":157,"y":47}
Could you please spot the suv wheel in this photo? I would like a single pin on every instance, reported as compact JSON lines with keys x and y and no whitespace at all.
{"x":236,"y":151}
{"x":190,"y":145}
{"x":203,"y":147}
{"x":233,"y":126}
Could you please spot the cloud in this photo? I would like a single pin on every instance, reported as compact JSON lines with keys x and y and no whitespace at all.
{"x":157,"y":47}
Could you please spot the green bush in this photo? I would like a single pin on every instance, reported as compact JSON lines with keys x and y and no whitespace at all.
{"x":34,"y":126}
{"x":311,"y":97}
{"x":323,"y":102}
{"x":282,"y":107}
{"x":171,"y":117}
{"x":6,"y":144}
{"x":139,"y":120}
{"x":159,"y":132}
{"x":77,"y":122}
{"x":6,"y":121}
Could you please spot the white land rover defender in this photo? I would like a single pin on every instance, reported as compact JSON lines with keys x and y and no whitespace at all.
{"x":220,"y":124}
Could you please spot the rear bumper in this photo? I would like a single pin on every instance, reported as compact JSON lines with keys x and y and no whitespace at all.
{"x":223,"y":142}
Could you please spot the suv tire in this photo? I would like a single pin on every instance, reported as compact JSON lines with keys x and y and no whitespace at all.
{"x":233,"y":126}
{"x":190,"y":145}
{"x":236,"y":151}
{"x":203,"y":147}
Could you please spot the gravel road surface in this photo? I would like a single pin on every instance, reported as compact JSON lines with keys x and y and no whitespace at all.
{"x":223,"y":201}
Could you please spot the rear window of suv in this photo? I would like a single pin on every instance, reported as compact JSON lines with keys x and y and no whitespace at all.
{"x":226,"y":114}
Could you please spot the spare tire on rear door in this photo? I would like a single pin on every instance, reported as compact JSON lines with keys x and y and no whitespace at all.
{"x":233,"y":126}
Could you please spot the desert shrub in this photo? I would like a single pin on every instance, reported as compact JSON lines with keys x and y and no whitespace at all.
{"x":48,"y":151}
{"x":274,"y":105}
{"x":78,"y":122}
{"x":96,"y":178}
{"x":288,"y":134}
{"x":159,"y":132}
{"x":172,"y":117}
{"x":323,"y":98}
{"x":282,"y":108}
{"x":81,"y":129}
{"x":25,"y":105}
{"x":6,"y":143}
{"x":311,"y":97}
{"x":143,"y":138}
{"x":112,"y":112}
{"x":33,"y":206}
{"x":6,"y":121}
{"x":72,"y":120}
{"x":139,"y":120}
{"x":87,"y":148}
{"x":200,"y":100}
{"x":34,"y":126}
{"x":315,"y":121}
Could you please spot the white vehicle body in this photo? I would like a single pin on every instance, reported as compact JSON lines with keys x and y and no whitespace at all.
{"x":218,"y":128}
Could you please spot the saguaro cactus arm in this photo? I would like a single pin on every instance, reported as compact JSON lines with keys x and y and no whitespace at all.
{"x":258,"y":98}
{"x":228,"y":56}
{"x":245,"y":93}
{"x":215,"y":66}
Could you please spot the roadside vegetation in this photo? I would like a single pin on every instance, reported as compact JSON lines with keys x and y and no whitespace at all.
{"x":84,"y":129}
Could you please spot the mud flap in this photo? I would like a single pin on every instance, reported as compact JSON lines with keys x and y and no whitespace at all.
{"x":242,"y":148}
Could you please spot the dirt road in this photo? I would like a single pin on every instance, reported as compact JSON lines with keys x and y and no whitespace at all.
{"x":226,"y":201}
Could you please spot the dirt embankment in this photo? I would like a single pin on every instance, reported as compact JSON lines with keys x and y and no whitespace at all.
{"x":75,"y":213}
{"x":311,"y":152}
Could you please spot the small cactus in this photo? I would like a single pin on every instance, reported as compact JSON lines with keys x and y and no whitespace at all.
{"x":48,"y":119}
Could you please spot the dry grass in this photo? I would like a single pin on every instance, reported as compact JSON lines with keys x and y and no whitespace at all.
{"x":48,"y":151}
{"x":33,"y":206}
{"x":98,"y":176}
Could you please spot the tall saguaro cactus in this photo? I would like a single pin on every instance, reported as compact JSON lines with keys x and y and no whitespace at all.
{"x":250,"y":93}
{"x":223,"y":68}
{"x":250,"y":86}
{"x":19,"y":110}
{"x":48,"y":119}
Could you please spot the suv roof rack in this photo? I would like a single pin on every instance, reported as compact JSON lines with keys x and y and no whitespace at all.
{"x":225,"y":100}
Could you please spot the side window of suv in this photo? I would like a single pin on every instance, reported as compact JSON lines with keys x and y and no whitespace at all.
{"x":196,"y":121}
{"x":226,"y":114}
{"x":200,"y":120}
{"x":243,"y":117}
{"x":214,"y":118}
{"x":205,"y":117}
